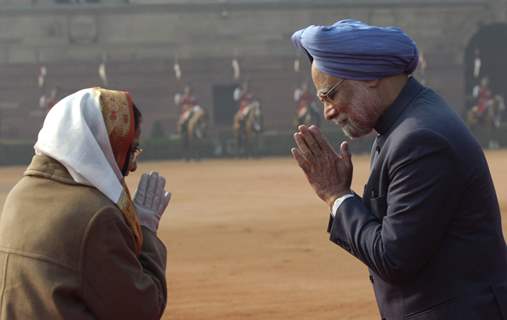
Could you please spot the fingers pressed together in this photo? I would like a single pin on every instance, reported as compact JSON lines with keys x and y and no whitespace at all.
{"x":311,"y":146}
{"x":151,"y":192}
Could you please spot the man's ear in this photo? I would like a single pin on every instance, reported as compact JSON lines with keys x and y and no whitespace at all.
{"x":372,"y":83}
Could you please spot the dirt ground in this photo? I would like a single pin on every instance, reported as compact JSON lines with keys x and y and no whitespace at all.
{"x":247,"y":239}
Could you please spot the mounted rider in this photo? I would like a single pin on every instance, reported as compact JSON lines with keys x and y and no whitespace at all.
{"x":186,"y":103}
{"x":484,"y":97}
{"x":306,"y":112}
{"x":484,"y":102}
{"x":303,"y":99}
{"x":244,"y":98}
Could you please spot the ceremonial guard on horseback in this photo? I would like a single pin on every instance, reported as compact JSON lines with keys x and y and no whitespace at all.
{"x":487,"y":108}
{"x":248,"y":122}
{"x":307,"y":112}
{"x":192,"y":123}
{"x":483,"y":103}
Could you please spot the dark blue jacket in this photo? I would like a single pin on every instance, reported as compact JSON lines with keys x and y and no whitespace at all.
{"x":428,"y":225}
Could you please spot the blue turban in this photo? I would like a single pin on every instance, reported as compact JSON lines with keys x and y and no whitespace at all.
{"x":351,"y":49}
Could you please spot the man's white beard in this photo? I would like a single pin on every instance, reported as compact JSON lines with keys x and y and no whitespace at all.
{"x":361,"y":99}
{"x":351,"y":129}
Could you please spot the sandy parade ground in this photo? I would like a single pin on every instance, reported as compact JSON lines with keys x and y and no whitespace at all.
{"x":247,"y":239}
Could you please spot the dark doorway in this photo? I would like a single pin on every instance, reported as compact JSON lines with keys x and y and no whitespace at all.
{"x":224,"y":105}
{"x":490,"y":43}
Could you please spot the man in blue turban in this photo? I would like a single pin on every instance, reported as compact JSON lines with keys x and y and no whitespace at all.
{"x":353,"y":50}
{"x":428,"y":223}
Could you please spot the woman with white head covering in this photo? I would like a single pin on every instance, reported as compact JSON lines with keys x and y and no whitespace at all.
{"x":73,"y":244}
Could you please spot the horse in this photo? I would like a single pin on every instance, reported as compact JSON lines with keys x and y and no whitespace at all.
{"x":491,"y":117}
{"x":308,"y":115}
{"x":247,"y":127}
{"x":193,"y":129}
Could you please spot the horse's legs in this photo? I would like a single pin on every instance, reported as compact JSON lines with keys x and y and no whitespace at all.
{"x":241,"y":141}
{"x":248,"y":147}
{"x":251,"y":146}
{"x":251,"y":143}
{"x":186,"y":147}
{"x":196,"y":148}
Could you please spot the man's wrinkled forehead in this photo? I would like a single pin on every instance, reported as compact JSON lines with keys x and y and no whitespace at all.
{"x":321,"y":80}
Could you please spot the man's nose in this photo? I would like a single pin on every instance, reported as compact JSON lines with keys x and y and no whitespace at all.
{"x":330,"y":111}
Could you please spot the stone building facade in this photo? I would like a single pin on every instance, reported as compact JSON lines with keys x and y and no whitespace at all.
{"x":140,"y":41}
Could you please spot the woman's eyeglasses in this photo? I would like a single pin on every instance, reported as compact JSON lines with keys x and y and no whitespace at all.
{"x":136,"y":153}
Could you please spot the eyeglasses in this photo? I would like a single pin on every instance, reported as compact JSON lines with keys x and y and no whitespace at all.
{"x":329,"y":95}
{"x":136,"y":153}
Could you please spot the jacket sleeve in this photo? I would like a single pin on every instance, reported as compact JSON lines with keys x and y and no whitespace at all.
{"x":419,"y":205}
{"x":116,"y":283}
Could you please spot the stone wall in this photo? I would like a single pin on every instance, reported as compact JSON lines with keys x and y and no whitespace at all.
{"x":205,"y":36}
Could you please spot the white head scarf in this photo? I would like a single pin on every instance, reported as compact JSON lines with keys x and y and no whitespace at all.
{"x":75,"y":134}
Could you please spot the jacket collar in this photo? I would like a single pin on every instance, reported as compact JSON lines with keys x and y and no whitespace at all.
{"x":386,"y":122}
{"x":44,"y":166}
{"x":407,"y":94}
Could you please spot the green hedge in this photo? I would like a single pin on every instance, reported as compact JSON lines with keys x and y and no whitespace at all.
{"x":16,"y":153}
{"x":222,"y":145}
{"x":491,"y":137}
